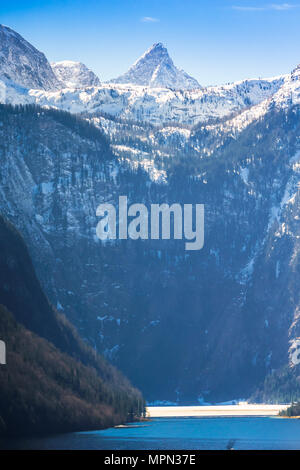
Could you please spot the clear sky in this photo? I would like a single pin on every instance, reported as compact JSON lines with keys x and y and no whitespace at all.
{"x":216,"y":41}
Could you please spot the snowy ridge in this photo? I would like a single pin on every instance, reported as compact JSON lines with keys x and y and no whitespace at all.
{"x":161,"y":105}
{"x":287,"y":95}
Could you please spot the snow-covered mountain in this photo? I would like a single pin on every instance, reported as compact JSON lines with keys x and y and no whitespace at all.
{"x":23,"y":64}
{"x":74,"y":74}
{"x":156,"y":93}
{"x":235,"y":148}
{"x":156,"y":69}
{"x":153,"y":94}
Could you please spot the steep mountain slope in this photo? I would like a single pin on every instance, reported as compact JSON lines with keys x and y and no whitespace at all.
{"x":23,"y":64}
{"x":150,"y":306}
{"x":74,"y":74}
{"x":51,"y":382}
{"x":44,"y":391}
{"x":156,"y":69}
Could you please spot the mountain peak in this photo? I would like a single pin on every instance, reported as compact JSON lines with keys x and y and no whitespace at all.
{"x":296,"y":73}
{"x":157,"y":45}
{"x":156,"y":69}
{"x":22,"y":63}
{"x":74,"y":74}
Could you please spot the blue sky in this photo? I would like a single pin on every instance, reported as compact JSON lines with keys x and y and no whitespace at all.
{"x":215,"y":41}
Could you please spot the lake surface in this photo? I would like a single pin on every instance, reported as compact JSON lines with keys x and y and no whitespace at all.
{"x":179,"y":433}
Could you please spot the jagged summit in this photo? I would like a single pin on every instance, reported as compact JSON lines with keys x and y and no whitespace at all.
{"x":157,"y":50}
{"x":22,"y":63}
{"x":74,"y":74}
{"x":156,"y":69}
{"x":296,"y":73}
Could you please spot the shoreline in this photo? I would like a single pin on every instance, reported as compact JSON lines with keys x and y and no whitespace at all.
{"x":214,"y":411}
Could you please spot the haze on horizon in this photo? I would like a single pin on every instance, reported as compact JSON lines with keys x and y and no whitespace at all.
{"x":219,"y":42}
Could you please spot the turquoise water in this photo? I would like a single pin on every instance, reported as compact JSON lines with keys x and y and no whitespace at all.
{"x":179,"y":433}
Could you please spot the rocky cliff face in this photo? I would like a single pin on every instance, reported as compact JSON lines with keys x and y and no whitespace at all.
{"x":23,"y":64}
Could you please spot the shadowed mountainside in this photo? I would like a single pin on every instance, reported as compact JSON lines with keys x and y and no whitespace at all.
{"x":52,"y":381}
